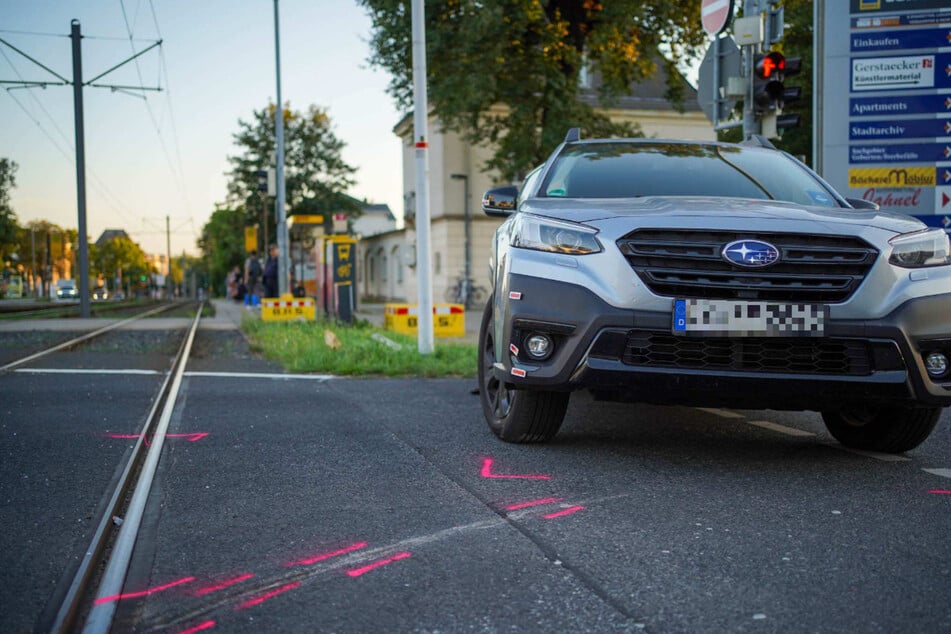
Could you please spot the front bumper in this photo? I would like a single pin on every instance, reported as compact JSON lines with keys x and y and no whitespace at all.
{"x":631,"y":354}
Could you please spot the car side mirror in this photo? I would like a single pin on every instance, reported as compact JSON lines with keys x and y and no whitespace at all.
{"x":500,"y":201}
{"x":861,"y":203}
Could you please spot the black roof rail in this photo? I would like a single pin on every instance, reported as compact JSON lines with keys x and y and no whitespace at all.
{"x":574,"y":134}
{"x":758,"y":140}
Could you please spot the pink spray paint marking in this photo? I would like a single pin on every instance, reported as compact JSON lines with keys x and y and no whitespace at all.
{"x":568,"y":511}
{"x":207,"y":625}
{"x":324,"y":556}
{"x":525,"y":505}
{"x":356,"y":572}
{"x":143,"y":593}
{"x":189,"y":437}
{"x":270,"y":595}
{"x":224,"y":584}
{"x":939,"y":492}
{"x":487,"y":473}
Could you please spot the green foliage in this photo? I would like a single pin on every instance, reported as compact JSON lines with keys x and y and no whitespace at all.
{"x":315,"y":173}
{"x":507,"y":72}
{"x":222,"y":244}
{"x":8,"y":219}
{"x":115,"y":255}
{"x":300,"y":347}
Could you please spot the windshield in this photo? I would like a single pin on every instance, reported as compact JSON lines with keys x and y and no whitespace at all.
{"x":628,"y":170}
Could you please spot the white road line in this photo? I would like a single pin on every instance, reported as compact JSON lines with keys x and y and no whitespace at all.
{"x":256,"y":375}
{"x":944,"y":473}
{"x":82,"y":371}
{"x":782,"y":429}
{"x":722,"y":413}
{"x":884,"y":457}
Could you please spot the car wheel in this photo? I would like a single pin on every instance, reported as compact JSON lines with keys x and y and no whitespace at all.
{"x":520,"y":416}
{"x":891,"y":429}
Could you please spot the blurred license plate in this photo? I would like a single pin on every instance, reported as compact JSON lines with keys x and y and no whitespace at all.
{"x":723,"y":318}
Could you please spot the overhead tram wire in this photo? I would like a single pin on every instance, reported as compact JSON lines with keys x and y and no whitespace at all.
{"x":99,"y":185}
{"x":179,"y":173}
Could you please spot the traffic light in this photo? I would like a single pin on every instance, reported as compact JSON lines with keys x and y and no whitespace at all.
{"x":768,"y":86}
{"x":770,"y":72}
{"x":261,"y":175}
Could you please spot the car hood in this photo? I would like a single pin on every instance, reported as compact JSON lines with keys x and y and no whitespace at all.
{"x":589,"y":210}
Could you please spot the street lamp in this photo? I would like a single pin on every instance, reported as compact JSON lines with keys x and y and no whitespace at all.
{"x":468,"y":235}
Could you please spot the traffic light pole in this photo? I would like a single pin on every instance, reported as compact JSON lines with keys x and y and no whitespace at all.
{"x":750,"y":124}
{"x":76,"y":37}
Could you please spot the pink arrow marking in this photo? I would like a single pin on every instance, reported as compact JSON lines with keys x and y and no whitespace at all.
{"x":224,"y":584}
{"x":189,"y":437}
{"x":323,"y":556}
{"x":207,"y":625}
{"x":487,"y":473}
{"x":356,"y":572}
{"x":568,"y":511}
{"x":939,"y":492}
{"x":192,"y":437}
{"x":270,"y":595}
{"x":525,"y":505}
{"x":143,"y":593}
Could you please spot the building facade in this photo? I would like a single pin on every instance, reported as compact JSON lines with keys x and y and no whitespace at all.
{"x":457,"y":225}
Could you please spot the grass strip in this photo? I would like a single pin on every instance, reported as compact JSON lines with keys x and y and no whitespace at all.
{"x":301,"y":347}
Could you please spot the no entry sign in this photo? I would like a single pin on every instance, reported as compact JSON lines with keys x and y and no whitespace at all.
{"x":715,"y":15}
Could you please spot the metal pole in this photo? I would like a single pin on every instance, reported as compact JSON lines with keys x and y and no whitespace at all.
{"x":818,"y":81}
{"x":33,"y":259}
{"x":716,"y":80}
{"x":282,"y":269}
{"x":76,"y":38}
{"x":420,"y":112}
{"x":168,"y":263}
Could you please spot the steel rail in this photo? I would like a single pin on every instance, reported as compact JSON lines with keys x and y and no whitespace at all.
{"x":82,"y":338}
{"x":100,"y":618}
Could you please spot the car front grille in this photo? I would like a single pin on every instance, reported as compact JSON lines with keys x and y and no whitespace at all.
{"x":851,"y":357}
{"x":687,"y":264}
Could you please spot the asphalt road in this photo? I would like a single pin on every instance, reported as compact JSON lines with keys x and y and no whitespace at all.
{"x":289,"y":504}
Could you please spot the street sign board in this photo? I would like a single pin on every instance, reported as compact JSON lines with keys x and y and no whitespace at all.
{"x":707,"y":94}
{"x":891,"y":63}
{"x":715,"y":15}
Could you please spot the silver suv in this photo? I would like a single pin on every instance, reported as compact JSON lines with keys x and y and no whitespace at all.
{"x":711,"y":274}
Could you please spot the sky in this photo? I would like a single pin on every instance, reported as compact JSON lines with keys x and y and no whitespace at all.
{"x":166,"y":155}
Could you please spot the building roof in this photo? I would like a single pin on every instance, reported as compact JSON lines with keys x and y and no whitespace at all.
{"x":111,"y":234}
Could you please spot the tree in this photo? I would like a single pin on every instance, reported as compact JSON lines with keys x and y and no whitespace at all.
{"x":526,"y":56}
{"x":119,"y":259}
{"x":222,"y":243}
{"x":315,"y":173}
{"x":8,"y":219}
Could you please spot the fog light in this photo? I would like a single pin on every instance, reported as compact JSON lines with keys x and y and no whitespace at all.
{"x":538,"y":346}
{"x":937,"y":364}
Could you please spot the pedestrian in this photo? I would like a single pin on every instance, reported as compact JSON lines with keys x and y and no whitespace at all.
{"x":252,"y":277}
{"x":270,"y":272}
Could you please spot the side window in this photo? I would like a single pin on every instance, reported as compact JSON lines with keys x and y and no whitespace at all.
{"x":528,"y":185}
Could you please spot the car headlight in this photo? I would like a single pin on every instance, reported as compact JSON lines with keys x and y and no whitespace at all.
{"x":545,"y":234}
{"x":930,"y":247}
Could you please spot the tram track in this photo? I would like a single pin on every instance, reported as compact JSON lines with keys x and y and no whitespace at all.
{"x":87,"y":337}
{"x":102,"y":568}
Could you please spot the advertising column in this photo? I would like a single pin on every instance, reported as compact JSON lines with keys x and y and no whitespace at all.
{"x":892,"y":145}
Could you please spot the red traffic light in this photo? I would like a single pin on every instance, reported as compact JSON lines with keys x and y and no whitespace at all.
{"x":770,"y":65}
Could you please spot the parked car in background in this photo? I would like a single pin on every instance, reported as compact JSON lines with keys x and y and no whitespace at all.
{"x":717,"y":275}
{"x":67,"y":289}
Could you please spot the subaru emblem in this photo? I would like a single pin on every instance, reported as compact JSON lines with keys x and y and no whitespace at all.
{"x":750,"y":253}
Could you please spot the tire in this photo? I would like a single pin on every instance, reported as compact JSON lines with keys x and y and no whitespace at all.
{"x":518,"y":416}
{"x":890,"y":429}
